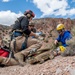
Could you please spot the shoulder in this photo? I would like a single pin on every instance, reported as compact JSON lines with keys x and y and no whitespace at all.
{"x":24,"y":19}
{"x":67,"y":32}
{"x":20,"y":17}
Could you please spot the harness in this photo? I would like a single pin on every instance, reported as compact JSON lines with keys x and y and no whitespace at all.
{"x":17,"y":33}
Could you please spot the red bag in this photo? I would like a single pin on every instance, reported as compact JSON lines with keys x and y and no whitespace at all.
{"x":4,"y":53}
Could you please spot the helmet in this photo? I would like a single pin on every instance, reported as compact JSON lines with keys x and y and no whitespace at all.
{"x":60,"y":27}
{"x":29,"y":13}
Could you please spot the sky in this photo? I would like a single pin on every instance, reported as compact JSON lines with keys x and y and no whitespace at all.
{"x":10,"y":10}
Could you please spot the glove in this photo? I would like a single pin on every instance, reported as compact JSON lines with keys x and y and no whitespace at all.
{"x":36,"y":35}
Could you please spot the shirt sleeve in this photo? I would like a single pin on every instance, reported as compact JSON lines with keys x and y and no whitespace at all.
{"x":24,"y":26}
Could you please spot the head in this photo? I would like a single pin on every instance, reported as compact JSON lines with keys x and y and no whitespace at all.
{"x":30,"y":14}
{"x":31,"y":25}
{"x":60,"y":28}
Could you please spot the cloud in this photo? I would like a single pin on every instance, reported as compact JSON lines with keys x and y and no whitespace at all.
{"x":73,"y":0}
{"x":8,"y":17}
{"x":72,"y":11}
{"x":5,"y":0}
{"x":54,"y":7}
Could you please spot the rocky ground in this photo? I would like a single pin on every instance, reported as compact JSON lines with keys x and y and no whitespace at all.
{"x":58,"y":66}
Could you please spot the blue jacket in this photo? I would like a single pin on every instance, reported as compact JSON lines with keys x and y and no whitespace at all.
{"x":63,"y":38}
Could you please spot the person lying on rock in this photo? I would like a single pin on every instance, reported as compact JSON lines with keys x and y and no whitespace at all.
{"x":35,"y":52}
{"x":7,"y":58}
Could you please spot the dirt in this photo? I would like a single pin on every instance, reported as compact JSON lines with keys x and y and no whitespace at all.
{"x":58,"y":66}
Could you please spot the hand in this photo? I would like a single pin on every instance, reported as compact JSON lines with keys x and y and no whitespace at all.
{"x":55,"y":42}
{"x":36,"y":35}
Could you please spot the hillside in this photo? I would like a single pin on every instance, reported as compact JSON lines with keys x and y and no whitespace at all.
{"x":3,"y":30}
{"x":57,"y":66}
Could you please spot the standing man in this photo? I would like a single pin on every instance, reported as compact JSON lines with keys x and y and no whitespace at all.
{"x":21,"y":32}
{"x":21,"y":24}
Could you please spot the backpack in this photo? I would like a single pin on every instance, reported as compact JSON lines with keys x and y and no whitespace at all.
{"x":4,"y":52}
{"x":17,"y":24}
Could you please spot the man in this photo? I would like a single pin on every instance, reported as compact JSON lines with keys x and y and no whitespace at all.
{"x":21,"y":32}
{"x":63,"y":37}
{"x":32,"y":27}
{"x":21,"y":24}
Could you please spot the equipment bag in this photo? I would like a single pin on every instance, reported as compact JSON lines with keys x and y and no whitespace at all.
{"x":4,"y":53}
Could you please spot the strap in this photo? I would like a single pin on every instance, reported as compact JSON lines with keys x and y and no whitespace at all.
{"x":14,"y":44}
{"x":17,"y":30}
{"x":5,"y":49}
{"x":26,"y":39}
{"x":25,"y":43}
